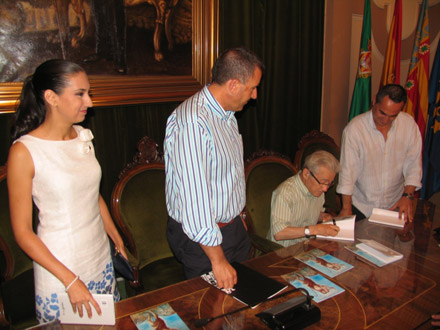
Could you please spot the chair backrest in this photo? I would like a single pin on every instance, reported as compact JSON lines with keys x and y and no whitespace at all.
{"x":138,"y":205}
{"x":264,"y":171}
{"x":314,"y":141}
{"x":15,"y":261}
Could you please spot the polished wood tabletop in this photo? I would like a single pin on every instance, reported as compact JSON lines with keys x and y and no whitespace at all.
{"x":401,"y":295}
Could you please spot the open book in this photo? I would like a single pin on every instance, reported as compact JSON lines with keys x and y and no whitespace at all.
{"x":386,"y":217}
{"x":346,"y":228}
{"x":252,"y":287}
{"x":374,"y":252}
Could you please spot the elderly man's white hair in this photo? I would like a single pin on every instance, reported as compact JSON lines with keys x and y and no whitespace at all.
{"x":322,"y":158}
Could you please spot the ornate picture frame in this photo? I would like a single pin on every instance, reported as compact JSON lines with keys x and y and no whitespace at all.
{"x":109,"y":90}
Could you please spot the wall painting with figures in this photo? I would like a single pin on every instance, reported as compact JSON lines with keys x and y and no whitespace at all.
{"x":133,"y":37}
{"x":135,"y":51}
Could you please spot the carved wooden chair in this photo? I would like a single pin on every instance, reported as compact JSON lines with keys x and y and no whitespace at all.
{"x":264,"y":172}
{"x":17,"y":294}
{"x":139,"y":210}
{"x":314,"y":141}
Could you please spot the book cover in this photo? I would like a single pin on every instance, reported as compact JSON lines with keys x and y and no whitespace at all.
{"x":346,"y":228}
{"x":386,"y":217}
{"x":364,"y":255}
{"x":379,"y":251}
{"x":252,"y":287}
{"x":316,"y":285}
{"x":105,"y":302}
{"x":374,"y":252}
{"x":324,"y":262}
{"x":160,"y":317}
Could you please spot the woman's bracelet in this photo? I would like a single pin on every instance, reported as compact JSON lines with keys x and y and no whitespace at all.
{"x":71,"y":283}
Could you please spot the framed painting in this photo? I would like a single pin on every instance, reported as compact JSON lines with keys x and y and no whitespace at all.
{"x":166,"y":78}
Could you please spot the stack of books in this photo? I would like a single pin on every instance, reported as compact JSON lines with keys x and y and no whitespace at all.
{"x":386,"y":217}
{"x":375,"y":253}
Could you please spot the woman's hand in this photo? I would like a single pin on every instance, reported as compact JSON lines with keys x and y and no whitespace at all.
{"x":79,"y":295}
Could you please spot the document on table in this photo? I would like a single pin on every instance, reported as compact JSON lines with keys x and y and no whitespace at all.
{"x":386,"y":217}
{"x":105,"y":302}
{"x":374,"y":252}
{"x":346,"y":228}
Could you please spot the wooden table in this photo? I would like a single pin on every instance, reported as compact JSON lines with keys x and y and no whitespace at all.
{"x":402,"y":295}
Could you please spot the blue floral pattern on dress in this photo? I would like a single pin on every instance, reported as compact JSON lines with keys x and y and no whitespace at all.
{"x":47,"y":308}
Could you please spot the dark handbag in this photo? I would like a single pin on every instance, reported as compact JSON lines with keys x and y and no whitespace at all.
{"x":120,"y":264}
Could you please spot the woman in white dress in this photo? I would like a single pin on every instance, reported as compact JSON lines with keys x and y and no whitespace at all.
{"x":52,"y":162}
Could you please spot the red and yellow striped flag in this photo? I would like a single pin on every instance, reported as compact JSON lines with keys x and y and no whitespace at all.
{"x":417,"y":82}
{"x":391,"y":64}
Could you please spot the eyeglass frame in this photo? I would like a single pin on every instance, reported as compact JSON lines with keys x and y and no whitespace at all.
{"x":328,"y":185}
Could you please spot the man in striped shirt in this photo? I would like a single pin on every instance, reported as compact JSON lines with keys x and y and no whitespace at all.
{"x":205,"y":184}
{"x":297,"y":203}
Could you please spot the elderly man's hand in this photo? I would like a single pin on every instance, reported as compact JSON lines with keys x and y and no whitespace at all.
{"x":325,"y":230}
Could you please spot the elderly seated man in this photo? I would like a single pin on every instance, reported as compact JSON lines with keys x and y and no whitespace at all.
{"x":297,"y":203}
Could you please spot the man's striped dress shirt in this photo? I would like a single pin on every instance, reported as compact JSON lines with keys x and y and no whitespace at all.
{"x":205,"y":182}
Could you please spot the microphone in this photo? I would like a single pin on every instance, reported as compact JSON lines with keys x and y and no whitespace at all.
{"x":202,"y":322}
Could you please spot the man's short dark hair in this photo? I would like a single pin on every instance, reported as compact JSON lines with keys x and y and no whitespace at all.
{"x":395,"y":92}
{"x":235,"y":63}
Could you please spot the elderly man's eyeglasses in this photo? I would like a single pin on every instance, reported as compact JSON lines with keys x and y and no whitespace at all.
{"x":322,"y":183}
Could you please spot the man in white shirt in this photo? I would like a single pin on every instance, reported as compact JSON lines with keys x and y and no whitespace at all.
{"x":297,"y":203}
{"x":381,"y":158}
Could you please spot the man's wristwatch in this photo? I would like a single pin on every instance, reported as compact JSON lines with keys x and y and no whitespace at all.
{"x":410,"y":196}
{"x":307,"y":231}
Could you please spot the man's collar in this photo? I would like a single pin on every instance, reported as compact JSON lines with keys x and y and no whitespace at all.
{"x":216,"y":108}
{"x":303,"y":187}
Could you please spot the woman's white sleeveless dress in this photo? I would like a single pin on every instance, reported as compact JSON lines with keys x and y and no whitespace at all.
{"x":65,"y":190}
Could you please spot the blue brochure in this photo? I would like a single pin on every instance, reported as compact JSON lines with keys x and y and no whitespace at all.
{"x":316,"y":285}
{"x":324,"y":262}
{"x":159,"y":317}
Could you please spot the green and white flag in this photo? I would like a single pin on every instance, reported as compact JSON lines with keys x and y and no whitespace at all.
{"x":361,"y":101}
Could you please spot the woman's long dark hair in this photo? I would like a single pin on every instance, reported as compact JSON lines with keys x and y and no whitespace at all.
{"x":31,"y":111}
